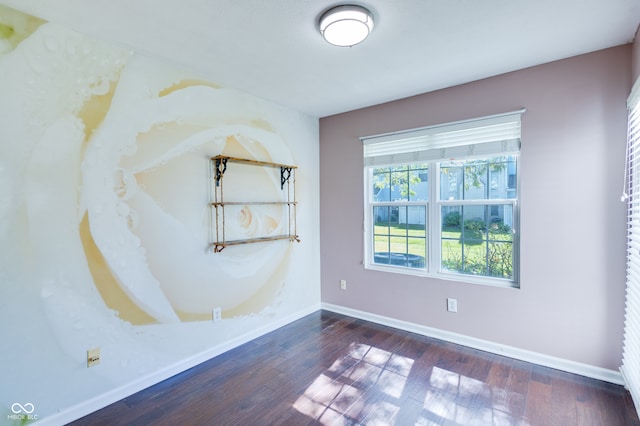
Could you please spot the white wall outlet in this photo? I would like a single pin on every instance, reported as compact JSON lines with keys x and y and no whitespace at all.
{"x":343,"y":284}
{"x":452,"y":305}
{"x":93,"y":357}
{"x":217,"y":314}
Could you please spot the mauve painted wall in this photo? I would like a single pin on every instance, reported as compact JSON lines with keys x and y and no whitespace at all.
{"x":571,"y":301}
{"x":635,"y":58}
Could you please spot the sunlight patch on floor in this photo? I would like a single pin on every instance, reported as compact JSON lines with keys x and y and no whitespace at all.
{"x":369,"y":385}
{"x":341,"y":391}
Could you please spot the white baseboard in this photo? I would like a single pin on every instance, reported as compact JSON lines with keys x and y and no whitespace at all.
{"x":586,"y":370}
{"x":100,"y":401}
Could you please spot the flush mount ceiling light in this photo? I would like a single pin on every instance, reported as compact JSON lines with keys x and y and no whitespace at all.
{"x":346,"y":25}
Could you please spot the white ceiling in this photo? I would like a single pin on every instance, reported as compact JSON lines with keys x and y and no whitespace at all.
{"x":272,"y":48}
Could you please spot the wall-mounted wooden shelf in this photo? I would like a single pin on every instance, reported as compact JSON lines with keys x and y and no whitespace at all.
{"x":219,"y":166}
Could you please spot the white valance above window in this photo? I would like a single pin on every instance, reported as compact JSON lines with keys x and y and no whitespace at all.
{"x":480,"y":137}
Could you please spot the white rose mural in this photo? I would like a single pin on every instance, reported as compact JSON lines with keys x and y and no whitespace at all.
{"x":140,"y":169}
{"x":143,"y":170}
{"x":105,"y":223}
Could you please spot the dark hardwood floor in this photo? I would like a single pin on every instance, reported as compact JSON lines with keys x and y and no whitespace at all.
{"x":331,"y":369}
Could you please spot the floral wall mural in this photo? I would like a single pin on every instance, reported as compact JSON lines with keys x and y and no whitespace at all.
{"x":105,"y":225}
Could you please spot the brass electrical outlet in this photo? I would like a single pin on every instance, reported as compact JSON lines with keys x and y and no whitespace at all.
{"x":93,"y":357}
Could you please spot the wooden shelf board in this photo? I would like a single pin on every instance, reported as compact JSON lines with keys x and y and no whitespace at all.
{"x":217,"y":247}
{"x":251,"y":203}
{"x":253,"y":162}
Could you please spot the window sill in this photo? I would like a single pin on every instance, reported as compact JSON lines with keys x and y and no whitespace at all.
{"x":447,"y":276}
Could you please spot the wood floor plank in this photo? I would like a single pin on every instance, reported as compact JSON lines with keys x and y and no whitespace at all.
{"x":328,"y":368}
{"x":538,"y":403}
{"x":587,"y":409}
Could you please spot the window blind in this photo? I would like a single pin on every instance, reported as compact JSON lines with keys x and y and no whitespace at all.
{"x":481,"y":137}
{"x":631,"y":350}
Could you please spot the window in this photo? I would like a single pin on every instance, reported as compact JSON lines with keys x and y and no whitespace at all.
{"x":477,"y":219}
{"x":631,"y":195}
{"x":399,"y":215}
{"x":443,"y":200}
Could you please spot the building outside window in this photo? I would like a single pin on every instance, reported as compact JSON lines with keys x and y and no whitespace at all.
{"x":443,"y":200}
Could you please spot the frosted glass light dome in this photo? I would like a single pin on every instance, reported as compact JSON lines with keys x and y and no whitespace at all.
{"x":346,"y":25}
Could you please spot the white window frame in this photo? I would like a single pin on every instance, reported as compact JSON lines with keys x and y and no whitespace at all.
{"x":368,"y":231}
{"x":433,"y":156}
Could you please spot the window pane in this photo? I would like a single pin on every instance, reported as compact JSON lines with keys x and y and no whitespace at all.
{"x":452,"y":218}
{"x":475,"y":180}
{"x":474,"y":223}
{"x":472,"y":240}
{"x":381,"y":188}
{"x":400,"y":184}
{"x":451,"y":180}
{"x":381,"y":243}
{"x":400,"y":239}
{"x":502,"y":177}
{"x":490,"y":178}
{"x":419,"y":182}
{"x":512,"y":175}
{"x":478,"y":240}
{"x":398,"y":245}
{"x":500,"y":261}
{"x":501,"y":224}
{"x":381,"y":218}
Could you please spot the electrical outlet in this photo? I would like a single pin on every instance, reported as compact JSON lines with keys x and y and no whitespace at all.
{"x":93,"y":357}
{"x":343,"y":284}
{"x":217,"y":314}
{"x":452,"y":305}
